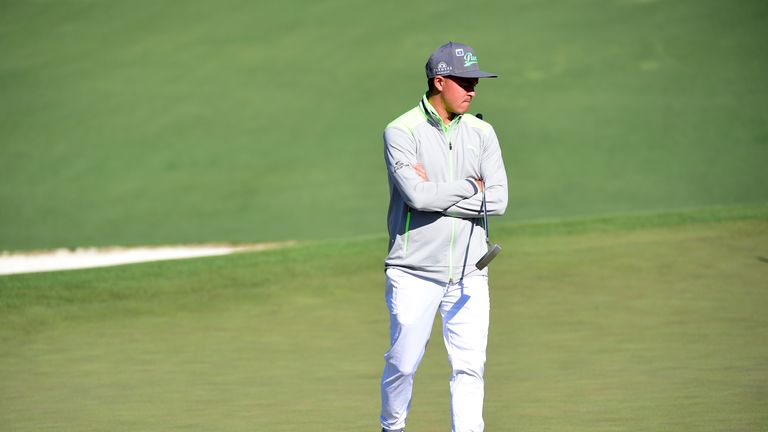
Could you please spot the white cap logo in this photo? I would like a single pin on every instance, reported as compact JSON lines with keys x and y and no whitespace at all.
{"x":459,"y":52}
{"x":442,"y":68}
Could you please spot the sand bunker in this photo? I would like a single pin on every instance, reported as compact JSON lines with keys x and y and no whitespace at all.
{"x":80,"y":258}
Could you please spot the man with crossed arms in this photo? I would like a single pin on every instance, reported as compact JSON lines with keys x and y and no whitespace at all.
{"x":441,"y":162}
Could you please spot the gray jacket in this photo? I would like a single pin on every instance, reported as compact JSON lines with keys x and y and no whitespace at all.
{"x":436,"y":226}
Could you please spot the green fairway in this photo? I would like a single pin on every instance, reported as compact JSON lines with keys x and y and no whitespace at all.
{"x":164,"y":122}
{"x":637,"y":323}
{"x":630,"y":295}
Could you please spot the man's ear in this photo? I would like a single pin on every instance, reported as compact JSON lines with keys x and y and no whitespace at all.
{"x":439,"y":82}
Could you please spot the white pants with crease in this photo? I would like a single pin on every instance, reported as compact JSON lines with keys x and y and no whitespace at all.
{"x":413,"y":303}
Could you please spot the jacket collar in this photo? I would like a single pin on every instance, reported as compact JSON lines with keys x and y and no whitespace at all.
{"x":433,"y":117}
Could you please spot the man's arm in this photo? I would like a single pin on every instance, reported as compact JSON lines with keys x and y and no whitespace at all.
{"x":495,"y":177}
{"x":418,"y":193}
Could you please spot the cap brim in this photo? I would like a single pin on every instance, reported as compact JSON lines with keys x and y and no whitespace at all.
{"x":474,"y":74}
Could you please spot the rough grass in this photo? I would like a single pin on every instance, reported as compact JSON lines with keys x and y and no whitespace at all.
{"x":657,"y":327}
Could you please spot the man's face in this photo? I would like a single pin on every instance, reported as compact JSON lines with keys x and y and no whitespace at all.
{"x":457,"y":93}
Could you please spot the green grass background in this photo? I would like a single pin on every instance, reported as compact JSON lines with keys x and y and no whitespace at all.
{"x":614,"y":308}
{"x":186,"y":121}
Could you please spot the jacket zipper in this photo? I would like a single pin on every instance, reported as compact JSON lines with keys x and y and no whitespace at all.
{"x":446,"y":134}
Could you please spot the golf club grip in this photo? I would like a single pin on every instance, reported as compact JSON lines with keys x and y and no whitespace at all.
{"x":488,"y":257}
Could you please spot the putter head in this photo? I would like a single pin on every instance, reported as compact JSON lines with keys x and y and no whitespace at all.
{"x":483,"y":262}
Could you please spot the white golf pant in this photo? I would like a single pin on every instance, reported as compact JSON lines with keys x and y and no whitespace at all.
{"x":413,"y":303}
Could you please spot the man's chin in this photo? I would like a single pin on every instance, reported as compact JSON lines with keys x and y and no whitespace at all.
{"x":462,"y":110}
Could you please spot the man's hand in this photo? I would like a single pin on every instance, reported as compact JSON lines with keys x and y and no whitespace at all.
{"x":420,"y":171}
{"x":480,"y":184}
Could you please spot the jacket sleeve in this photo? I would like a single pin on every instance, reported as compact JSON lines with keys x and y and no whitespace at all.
{"x":495,"y":178}
{"x":400,"y":155}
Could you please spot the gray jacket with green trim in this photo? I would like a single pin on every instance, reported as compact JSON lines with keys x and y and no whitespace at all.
{"x":436,"y":226}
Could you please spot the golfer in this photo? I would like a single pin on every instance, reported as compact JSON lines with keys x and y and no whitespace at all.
{"x":440,"y":161}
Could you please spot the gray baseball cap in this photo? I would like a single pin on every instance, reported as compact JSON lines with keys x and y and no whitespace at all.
{"x":455,"y":59}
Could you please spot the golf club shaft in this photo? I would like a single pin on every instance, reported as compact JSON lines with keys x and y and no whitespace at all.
{"x":485,"y":216}
{"x":493,"y":250}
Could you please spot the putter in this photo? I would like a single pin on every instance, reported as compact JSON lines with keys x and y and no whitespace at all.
{"x":494,"y":249}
